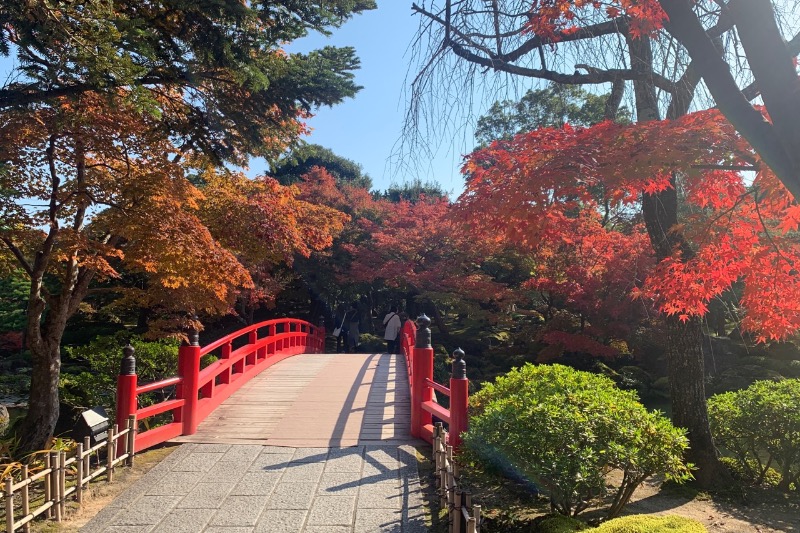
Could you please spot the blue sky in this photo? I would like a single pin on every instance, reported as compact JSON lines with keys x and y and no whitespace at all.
{"x":367,"y":128}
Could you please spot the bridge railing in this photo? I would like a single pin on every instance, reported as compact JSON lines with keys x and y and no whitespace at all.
{"x":419,"y":364}
{"x":240,"y":356}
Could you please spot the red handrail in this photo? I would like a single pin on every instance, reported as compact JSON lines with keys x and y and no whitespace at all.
{"x":419,"y":363}
{"x":200,"y":391}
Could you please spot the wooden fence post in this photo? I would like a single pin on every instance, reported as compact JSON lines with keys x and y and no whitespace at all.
{"x":26,"y":499}
{"x":9,"y":504}
{"x":110,"y":447}
{"x":48,"y":486}
{"x":459,"y":398}
{"x":189,"y":371}
{"x":423,"y":369}
{"x":81,"y":474}
{"x":131,"y":439}
{"x":126,"y":387}
{"x":55,"y":477}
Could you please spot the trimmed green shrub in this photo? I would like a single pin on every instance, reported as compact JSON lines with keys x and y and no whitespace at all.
{"x":565,"y":430}
{"x":760,"y":426}
{"x":651,"y":524}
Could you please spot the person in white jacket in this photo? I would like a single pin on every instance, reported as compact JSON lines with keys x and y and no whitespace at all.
{"x":393,"y":324}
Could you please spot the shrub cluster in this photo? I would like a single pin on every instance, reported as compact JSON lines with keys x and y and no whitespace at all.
{"x":760,"y":427}
{"x":627,"y":524}
{"x":565,"y":430}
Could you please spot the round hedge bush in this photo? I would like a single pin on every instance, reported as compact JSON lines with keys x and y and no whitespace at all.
{"x":651,"y":524}
{"x":760,"y":426}
{"x":565,"y":429}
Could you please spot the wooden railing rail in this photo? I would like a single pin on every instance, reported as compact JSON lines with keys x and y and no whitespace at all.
{"x":197,"y":392}
{"x":63,"y":477}
{"x":419,"y":363}
{"x":463,"y":515}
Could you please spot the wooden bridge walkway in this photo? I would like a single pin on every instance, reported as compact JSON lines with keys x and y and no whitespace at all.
{"x":316,"y":400}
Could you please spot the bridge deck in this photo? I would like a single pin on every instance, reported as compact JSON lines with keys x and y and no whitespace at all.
{"x":316,"y":400}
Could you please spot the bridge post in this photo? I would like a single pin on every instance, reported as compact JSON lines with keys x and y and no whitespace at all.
{"x":459,"y":398}
{"x":126,"y":387}
{"x":189,"y":371}
{"x":423,"y":369}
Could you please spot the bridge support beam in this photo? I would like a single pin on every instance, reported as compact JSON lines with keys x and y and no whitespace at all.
{"x":459,"y":398}
{"x":423,"y":369}
{"x":189,"y":372}
{"x":127,"y":381}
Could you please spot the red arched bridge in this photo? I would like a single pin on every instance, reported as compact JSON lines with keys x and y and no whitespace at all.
{"x":309,"y":399}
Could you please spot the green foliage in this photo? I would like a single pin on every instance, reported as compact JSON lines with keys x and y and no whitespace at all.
{"x":544,"y":108}
{"x":372,"y":343}
{"x":760,"y":426}
{"x":14,"y":292}
{"x":412,"y":191}
{"x":748,"y":475}
{"x":652,"y":524}
{"x":96,"y":383}
{"x":302,"y":159}
{"x":223,"y":58}
{"x":565,"y":429}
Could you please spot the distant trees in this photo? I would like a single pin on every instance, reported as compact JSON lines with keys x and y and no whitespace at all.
{"x":112,"y":106}
{"x":291,"y":167}
{"x":552,"y":106}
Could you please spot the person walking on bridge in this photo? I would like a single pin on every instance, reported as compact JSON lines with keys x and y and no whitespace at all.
{"x":393,"y":324}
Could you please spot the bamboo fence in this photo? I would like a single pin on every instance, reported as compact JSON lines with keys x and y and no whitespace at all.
{"x":463,"y":515}
{"x":51,"y":483}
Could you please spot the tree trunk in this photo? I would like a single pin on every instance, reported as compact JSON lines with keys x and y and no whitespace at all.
{"x":684,"y":340}
{"x":40,"y":420}
{"x":689,"y":408}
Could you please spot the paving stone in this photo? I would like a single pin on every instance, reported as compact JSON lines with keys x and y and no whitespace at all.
{"x":173,"y":483}
{"x":256,"y":484}
{"x":102,"y":520}
{"x":238,"y":511}
{"x":379,"y":496}
{"x":169,"y":462}
{"x":328,"y":529}
{"x":271,"y":462}
{"x":346,"y":452}
{"x":381,"y":458}
{"x":239,"y":529}
{"x":226,"y":471}
{"x":281,"y":521}
{"x":212,"y":448}
{"x":206,"y":495}
{"x":309,"y":455}
{"x":243,"y":453}
{"x":197,"y":462}
{"x":303,"y":472}
{"x":184,"y":520}
{"x":332,"y":511}
{"x":346,"y":463}
{"x":278,"y":449}
{"x":292,"y":496}
{"x":339,"y":483}
{"x":372,"y":521}
{"x":378,"y":474}
{"x":128,"y":529}
{"x":146,"y":510}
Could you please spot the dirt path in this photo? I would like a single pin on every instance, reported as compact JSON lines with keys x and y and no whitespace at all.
{"x":765,"y":513}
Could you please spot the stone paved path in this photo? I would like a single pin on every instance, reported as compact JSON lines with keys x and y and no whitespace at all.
{"x":316,"y":443}
{"x":222,"y":488}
